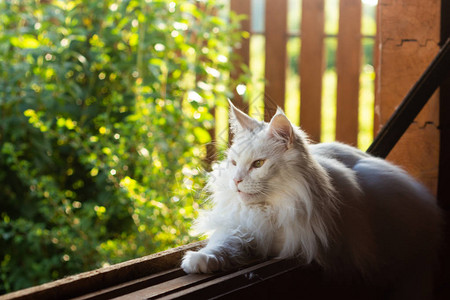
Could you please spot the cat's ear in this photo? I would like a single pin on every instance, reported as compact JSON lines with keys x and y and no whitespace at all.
{"x":280,"y":127}
{"x":240,"y":120}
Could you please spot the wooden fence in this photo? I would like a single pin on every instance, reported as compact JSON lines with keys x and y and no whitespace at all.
{"x":311,"y":63}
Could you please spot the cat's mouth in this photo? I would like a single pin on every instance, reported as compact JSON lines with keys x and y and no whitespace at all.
{"x":248,"y":197}
{"x":244,"y":193}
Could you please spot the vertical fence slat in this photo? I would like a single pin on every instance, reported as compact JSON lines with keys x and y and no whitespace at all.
{"x":377,"y":81}
{"x":311,"y":66}
{"x":211,"y":151}
{"x":242,"y":52}
{"x":348,"y":69}
{"x":275,"y":64}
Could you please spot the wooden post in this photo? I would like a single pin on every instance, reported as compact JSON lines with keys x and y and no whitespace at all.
{"x":443,"y":189}
{"x":311,"y":67}
{"x":348,"y":70}
{"x":211,"y":151}
{"x":241,"y":53}
{"x":275,"y":65}
{"x":412,"y":104}
{"x":444,"y":120}
{"x":407,"y":44}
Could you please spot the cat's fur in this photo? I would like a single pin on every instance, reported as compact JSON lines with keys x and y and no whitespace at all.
{"x":329,"y":203}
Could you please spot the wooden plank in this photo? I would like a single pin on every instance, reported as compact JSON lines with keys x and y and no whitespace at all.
{"x":377,"y":68}
{"x":311,"y":67}
{"x":402,"y":65}
{"x":277,"y":279}
{"x":211,"y":151}
{"x":412,"y":104}
{"x":275,"y":64}
{"x":407,"y":45}
{"x":133,"y":285}
{"x":419,"y":20}
{"x":415,"y":144}
{"x":302,"y":282}
{"x":348,"y":70}
{"x":170,"y":286}
{"x":235,"y":280}
{"x":84,"y":283}
{"x":444,"y":122}
{"x":443,"y":193}
{"x":241,"y":52}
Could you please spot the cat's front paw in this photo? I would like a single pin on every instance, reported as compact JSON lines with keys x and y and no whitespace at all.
{"x":197,"y":262}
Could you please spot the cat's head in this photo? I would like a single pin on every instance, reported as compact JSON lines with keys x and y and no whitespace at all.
{"x":261,"y":155}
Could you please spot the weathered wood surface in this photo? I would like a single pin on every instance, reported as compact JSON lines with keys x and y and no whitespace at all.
{"x":128,"y":273}
{"x":414,"y":142}
{"x":241,"y":52}
{"x":413,"y":103}
{"x":409,"y":20}
{"x":444,"y":124}
{"x":271,"y":279}
{"x":348,"y":70}
{"x":276,"y":56}
{"x":402,"y":65}
{"x":311,"y":66}
{"x":407,"y":45}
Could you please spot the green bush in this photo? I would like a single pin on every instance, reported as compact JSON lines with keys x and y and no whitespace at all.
{"x":104,"y":108}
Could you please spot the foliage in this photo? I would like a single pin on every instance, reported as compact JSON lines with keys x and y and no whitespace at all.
{"x":104,"y":106}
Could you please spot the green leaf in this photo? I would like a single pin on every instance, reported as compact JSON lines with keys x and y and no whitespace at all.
{"x":202,"y":135}
{"x":25,"y":41}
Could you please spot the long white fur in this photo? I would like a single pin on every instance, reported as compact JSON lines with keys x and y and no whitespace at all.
{"x":328,"y":203}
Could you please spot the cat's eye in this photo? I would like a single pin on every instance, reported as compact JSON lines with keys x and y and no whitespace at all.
{"x":233,"y":162}
{"x":258,"y":163}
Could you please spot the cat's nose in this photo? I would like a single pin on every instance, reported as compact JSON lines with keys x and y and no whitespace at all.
{"x":237,"y":181}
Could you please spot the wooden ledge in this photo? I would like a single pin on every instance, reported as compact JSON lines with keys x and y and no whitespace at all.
{"x":132,"y":273}
{"x":158,"y":276}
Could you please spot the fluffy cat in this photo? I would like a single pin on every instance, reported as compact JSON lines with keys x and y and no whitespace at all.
{"x":276,"y":195}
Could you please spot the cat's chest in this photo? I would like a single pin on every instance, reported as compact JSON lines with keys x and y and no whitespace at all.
{"x":277,"y":243}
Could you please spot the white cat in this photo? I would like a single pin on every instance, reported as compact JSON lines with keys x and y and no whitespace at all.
{"x":276,"y":195}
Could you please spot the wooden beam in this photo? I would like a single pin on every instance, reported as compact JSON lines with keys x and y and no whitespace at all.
{"x":89,"y":282}
{"x":377,"y":67}
{"x":443,"y":194}
{"x":128,"y":287}
{"x":406,"y":46}
{"x":241,"y":53}
{"x":412,"y":104}
{"x":443,"y":190}
{"x":263,"y":280}
{"x":211,"y":151}
{"x":348,"y":70}
{"x":275,"y":64}
{"x":311,"y":67}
